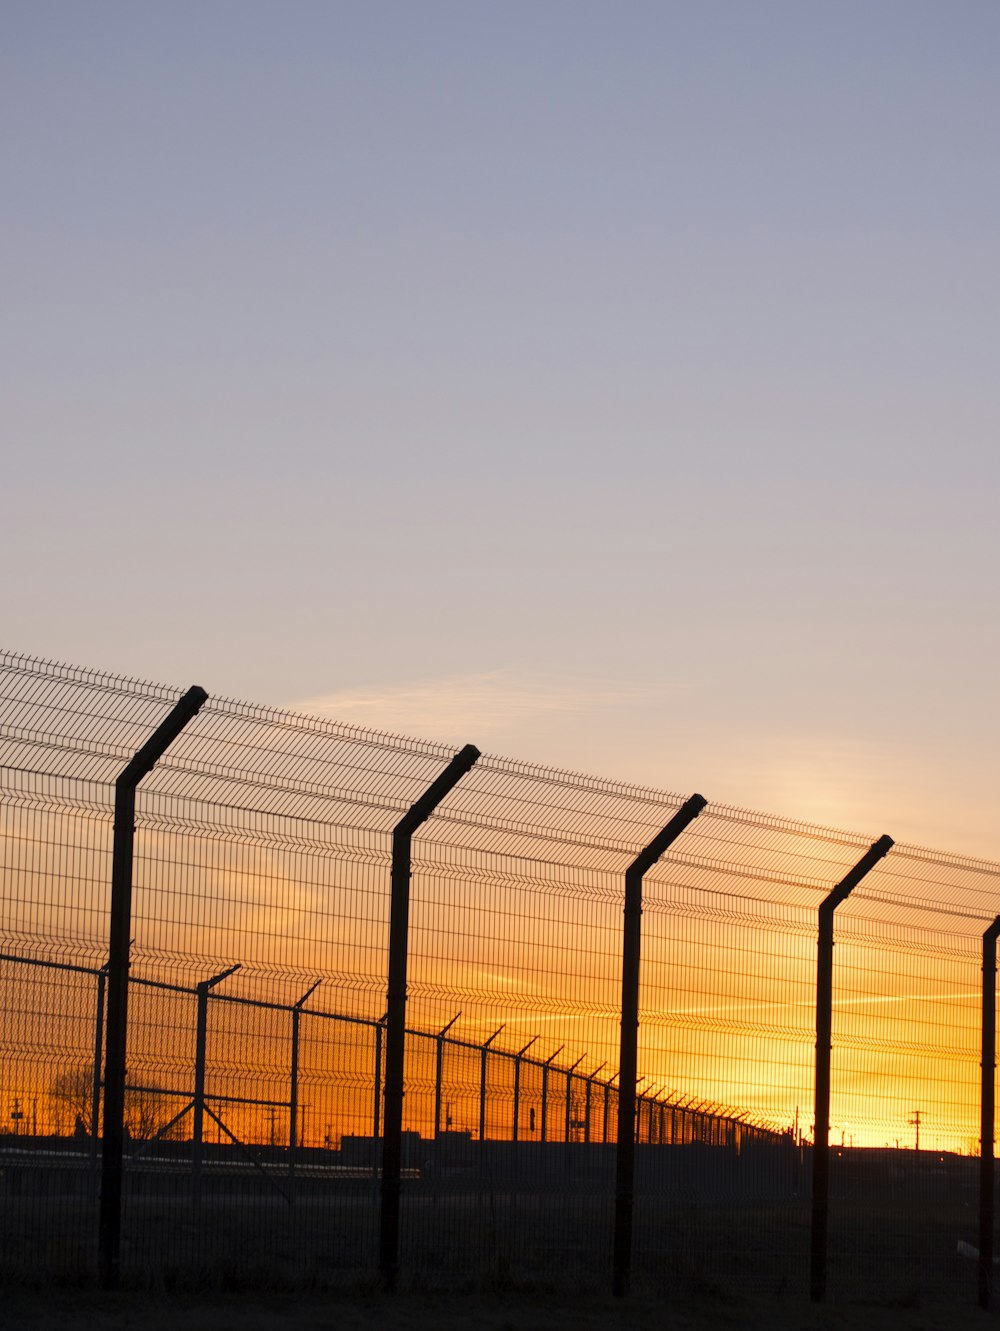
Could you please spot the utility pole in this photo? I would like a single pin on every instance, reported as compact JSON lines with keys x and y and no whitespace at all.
{"x":914,"y":1122}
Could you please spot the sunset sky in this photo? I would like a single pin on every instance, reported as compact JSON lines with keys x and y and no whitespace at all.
{"x":609,"y":385}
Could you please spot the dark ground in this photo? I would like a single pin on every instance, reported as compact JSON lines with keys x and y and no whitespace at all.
{"x":49,"y":1310}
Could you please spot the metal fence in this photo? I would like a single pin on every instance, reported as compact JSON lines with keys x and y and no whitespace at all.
{"x":255,"y":1103}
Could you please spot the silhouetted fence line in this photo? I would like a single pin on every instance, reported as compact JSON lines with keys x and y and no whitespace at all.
{"x":666,"y":1120}
{"x":570,"y":1090}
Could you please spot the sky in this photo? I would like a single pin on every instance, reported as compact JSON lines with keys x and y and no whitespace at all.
{"x":609,"y":385}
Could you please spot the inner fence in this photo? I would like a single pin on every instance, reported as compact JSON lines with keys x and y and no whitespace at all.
{"x":255,"y":1085}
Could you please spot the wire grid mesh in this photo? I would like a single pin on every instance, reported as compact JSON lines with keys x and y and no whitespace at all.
{"x":257,"y":998}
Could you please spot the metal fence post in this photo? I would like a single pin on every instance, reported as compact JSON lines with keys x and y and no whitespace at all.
{"x":606,"y":1131}
{"x":483,"y":1055}
{"x":824,"y":1044}
{"x":200,"y":1053}
{"x":545,"y":1092}
{"x":589,"y":1100}
{"x":625,"y":1159}
{"x":293,"y":1080}
{"x":516,"y":1124}
{"x":395,"y":1029}
{"x":703,"y":1121}
{"x":638,"y":1101}
{"x":653,"y":1113}
{"x":987,"y":1113}
{"x":439,"y":1073}
{"x":569,"y":1097}
{"x":95,"y":1090}
{"x":377,"y":1094}
{"x":143,"y":762}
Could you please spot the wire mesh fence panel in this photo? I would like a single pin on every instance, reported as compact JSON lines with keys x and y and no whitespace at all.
{"x":261,"y":908}
{"x":906,"y":1064}
{"x":49,"y":1183}
{"x":261,"y":842}
{"x":54,"y":864}
{"x":516,"y":938}
{"x":256,"y":1057}
{"x":727,"y":1033}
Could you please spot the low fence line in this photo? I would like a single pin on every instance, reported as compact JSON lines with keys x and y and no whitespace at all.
{"x":711,"y":1125}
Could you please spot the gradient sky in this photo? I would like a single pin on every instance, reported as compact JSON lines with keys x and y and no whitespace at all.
{"x":607,"y":384}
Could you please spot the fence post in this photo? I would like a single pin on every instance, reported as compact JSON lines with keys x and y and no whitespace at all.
{"x":377,"y":1094}
{"x":702,"y":1120}
{"x":200,"y":1052}
{"x":654,"y":1115}
{"x":824,"y":1044}
{"x":545,"y":1092}
{"x":483,"y":1055}
{"x":569,"y":1097}
{"x":638,"y":1100}
{"x":293,"y":1080}
{"x":987,"y":1110}
{"x":142,"y":763}
{"x":95,"y":1090}
{"x":439,"y":1073}
{"x":631,"y":939}
{"x":516,"y":1124}
{"x":395,"y":1027}
{"x":605,"y":1131}
{"x":589,"y":1098}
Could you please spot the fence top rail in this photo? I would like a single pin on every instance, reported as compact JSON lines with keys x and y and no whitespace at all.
{"x":70,"y":966}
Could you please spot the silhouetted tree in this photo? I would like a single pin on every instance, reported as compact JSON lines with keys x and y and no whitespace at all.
{"x":71,"y":1093}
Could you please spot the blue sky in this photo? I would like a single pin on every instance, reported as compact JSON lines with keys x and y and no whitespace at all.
{"x":612,"y":385}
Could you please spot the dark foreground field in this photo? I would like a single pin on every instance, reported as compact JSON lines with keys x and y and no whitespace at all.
{"x":718,"y":1242}
{"x":49,"y":1310}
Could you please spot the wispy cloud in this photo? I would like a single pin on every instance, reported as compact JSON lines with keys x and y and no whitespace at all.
{"x":483,"y":705}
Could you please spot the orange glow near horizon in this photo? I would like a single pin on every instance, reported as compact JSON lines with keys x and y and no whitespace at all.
{"x":527,"y":938}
